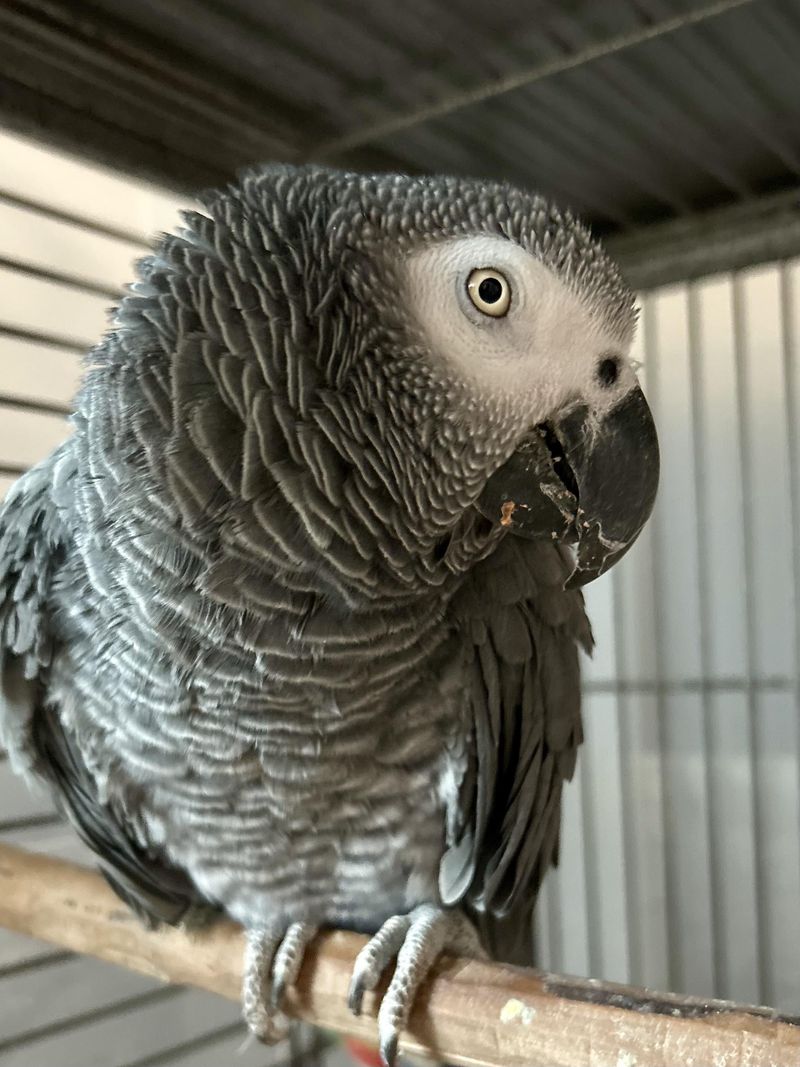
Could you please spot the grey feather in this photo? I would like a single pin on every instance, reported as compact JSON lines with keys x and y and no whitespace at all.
{"x":155,"y":890}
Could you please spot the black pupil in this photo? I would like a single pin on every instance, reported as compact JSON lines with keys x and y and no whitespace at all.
{"x":608,"y":370}
{"x":490,"y":290}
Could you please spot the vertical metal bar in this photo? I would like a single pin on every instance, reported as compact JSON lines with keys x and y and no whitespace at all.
{"x":789,"y":352}
{"x":635,"y":962}
{"x":705,"y":623}
{"x":746,"y":480}
{"x":652,"y":353}
{"x":539,"y":931}
{"x":554,"y":921}
{"x":590,"y":867}
{"x":627,"y":704}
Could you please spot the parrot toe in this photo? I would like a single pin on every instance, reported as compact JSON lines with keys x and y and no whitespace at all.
{"x":416,"y":940}
{"x":272,"y":963}
{"x":288,"y":959}
{"x":375,"y":957}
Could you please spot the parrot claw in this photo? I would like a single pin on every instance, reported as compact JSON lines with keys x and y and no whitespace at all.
{"x":388,"y":1048}
{"x":355,"y":998}
{"x":272,"y":964}
{"x":417,"y":940}
{"x":374,"y":957}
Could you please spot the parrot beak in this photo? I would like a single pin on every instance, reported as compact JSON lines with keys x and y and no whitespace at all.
{"x":584,"y":479}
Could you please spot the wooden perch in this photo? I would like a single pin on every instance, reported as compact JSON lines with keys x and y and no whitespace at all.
{"x":469,"y":1012}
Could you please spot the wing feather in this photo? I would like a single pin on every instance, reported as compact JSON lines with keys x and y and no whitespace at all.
{"x":524,"y":714}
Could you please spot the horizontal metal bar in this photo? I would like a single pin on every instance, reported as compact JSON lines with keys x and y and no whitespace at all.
{"x":81,"y":222}
{"x":38,"y":407}
{"x":58,"y":277}
{"x":30,"y":822}
{"x":11,"y":470}
{"x":727,"y":239}
{"x":40,"y":337}
{"x":202,"y":1041}
{"x":75,"y":1022}
{"x":37,"y":963}
{"x":774,"y":684}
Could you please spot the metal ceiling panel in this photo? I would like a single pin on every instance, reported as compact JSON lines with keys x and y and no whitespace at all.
{"x":633,"y":112}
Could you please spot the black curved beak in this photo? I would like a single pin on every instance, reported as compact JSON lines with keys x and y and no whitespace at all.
{"x":582,"y":479}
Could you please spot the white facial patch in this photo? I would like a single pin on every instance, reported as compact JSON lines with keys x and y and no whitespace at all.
{"x":543,"y":352}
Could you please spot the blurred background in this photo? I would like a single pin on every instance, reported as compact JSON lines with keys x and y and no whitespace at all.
{"x":674,"y":128}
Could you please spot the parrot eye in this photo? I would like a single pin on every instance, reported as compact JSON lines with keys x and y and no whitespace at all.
{"x":490,"y":292}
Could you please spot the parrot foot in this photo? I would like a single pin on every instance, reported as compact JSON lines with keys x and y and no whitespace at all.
{"x":271,"y":965}
{"x":417,"y":940}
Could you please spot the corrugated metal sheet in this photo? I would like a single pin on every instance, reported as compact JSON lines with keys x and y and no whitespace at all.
{"x":631,"y":111}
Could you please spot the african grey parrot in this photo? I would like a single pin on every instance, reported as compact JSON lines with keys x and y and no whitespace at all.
{"x":290,"y":624}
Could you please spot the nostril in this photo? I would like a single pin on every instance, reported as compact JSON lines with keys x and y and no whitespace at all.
{"x":608,"y":370}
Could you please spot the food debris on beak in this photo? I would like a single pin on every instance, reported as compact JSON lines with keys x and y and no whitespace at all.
{"x":506,"y":511}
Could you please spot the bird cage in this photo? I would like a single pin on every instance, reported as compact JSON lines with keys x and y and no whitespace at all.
{"x":671,"y":126}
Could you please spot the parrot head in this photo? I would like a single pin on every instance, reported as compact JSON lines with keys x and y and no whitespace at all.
{"x":413,"y":369}
{"x":507,"y":328}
